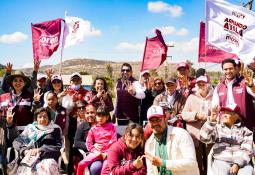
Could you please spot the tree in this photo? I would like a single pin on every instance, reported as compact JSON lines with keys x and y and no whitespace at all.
{"x":2,"y":72}
{"x":109,"y":70}
{"x":84,"y":73}
{"x":109,"y":77}
{"x":153,"y":72}
{"x":192,"y":71}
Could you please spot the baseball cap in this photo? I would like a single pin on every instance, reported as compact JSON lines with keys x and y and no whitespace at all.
{"x":171,"y":80}
{"x":75,"y":74}
{"x":231,"y":108}
{"x":56,"y":77}
{"x":145,"y":72}
{"x":203,"y":79}
{"x":155,"y":111}
{"x":41,"y":76}
{"x":183,"y":64}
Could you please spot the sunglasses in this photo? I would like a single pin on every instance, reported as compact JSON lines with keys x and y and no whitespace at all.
{"x":158,"y":83}
{"x":125,"y":70}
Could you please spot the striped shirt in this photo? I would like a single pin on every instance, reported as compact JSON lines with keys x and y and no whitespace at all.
{"x":233,"y":145}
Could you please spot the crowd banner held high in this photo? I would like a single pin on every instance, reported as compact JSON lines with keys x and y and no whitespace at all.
{"x":155,"y":52}
{"x":231,"y":28}
{"x":45,"y":38}
{"x":75,"y":30}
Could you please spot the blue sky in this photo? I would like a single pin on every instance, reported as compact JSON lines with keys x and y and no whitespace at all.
{"x":123,"y":26}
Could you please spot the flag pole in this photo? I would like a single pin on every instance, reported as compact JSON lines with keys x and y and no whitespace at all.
{"x":144,"y":53}
{"x":60,"y":64}
{"x":62,"y":50}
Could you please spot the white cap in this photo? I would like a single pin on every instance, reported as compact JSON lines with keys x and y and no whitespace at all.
{"x":56,"y":77}
{"x":202,"y":79}
{"x":40,"y":76}
{"x":76,"y":74}
{"x":155,"y":111}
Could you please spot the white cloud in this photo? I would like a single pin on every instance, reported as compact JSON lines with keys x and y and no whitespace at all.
{"x":171,"y":30}
{"x":161,"y":7}
{"x":182,"y":32}
{"x":184,"y":50}
{"x":89,"y":30}
{"x":15,"y":37}
{"x":130,"y":46}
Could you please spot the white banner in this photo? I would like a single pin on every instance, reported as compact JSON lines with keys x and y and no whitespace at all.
{"x":76,"y":29}
{"x":231,"y":28}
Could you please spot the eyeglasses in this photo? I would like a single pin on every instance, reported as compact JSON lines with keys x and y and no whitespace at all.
{"x":125,"y":70}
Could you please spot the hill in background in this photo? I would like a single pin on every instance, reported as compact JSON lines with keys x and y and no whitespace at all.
{"x":98,"y":67}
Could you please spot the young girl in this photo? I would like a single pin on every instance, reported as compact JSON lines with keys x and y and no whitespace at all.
{"x":99,"y":139}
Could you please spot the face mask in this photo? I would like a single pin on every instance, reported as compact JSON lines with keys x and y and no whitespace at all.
{"x":75,"y":87}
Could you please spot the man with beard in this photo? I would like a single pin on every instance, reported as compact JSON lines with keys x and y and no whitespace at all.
{"x":235,"y":89}
{"x":129,"y":93}
{"x":169,"y":150}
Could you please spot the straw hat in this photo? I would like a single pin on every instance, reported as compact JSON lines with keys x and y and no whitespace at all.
{"x":15,"y":74}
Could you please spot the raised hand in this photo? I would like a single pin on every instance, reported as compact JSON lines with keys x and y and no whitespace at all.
{"x":214,"y":111}
{"x":37,"y":95}
{"x":185,"y":81}
{"x":155,"y":160}
{"x":8,"y":68}
{"x":248,"y":76}
{"x":9,"y":116}
{"x":130,"y":88}
{"x":37,"y":65}
{"x":63,"y":93}
{"x":49,"y":72}
{"x":138,"y":163}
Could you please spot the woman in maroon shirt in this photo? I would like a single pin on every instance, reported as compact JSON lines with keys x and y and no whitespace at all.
{"x":126,"y":155}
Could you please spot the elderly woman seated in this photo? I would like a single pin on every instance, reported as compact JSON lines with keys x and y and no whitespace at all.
{"x":39,"y":145}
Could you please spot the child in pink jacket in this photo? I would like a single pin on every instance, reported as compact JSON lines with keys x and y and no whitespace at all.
{"x":100,"y":138}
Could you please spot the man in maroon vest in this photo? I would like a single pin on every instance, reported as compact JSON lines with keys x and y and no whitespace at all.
{"x":129,"y":93}
{"x":234,"y":89}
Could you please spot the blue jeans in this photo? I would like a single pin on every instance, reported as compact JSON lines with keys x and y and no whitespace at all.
{"x":96,"y":167}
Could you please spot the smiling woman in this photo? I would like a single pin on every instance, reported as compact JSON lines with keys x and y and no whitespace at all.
{"x":19,"y":98}
{"x":126,"y":155}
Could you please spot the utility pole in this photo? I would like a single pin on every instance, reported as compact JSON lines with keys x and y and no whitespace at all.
{"x":248,"y":5}
{"x":166,"y":64}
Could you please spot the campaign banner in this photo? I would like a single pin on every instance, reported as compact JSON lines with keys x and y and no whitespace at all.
{"x":45,"y":38}
{"x":208,"y":52}
{"x":231,"y":28}
{"x":155,"y":52}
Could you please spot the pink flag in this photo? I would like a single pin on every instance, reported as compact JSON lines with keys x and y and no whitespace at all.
{"x":208,"y":52}
{"x":45,"y":38}
{"x":155,"y":52}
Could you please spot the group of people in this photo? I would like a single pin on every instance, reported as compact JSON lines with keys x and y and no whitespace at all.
{"x":171,"y":125}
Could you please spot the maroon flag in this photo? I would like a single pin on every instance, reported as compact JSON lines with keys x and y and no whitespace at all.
{"x":155,"y":52}
{"x":45,"y":38}
{"x":208,"y":52}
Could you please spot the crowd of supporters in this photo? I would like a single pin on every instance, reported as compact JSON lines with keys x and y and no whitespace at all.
{"x":173,"y":126}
